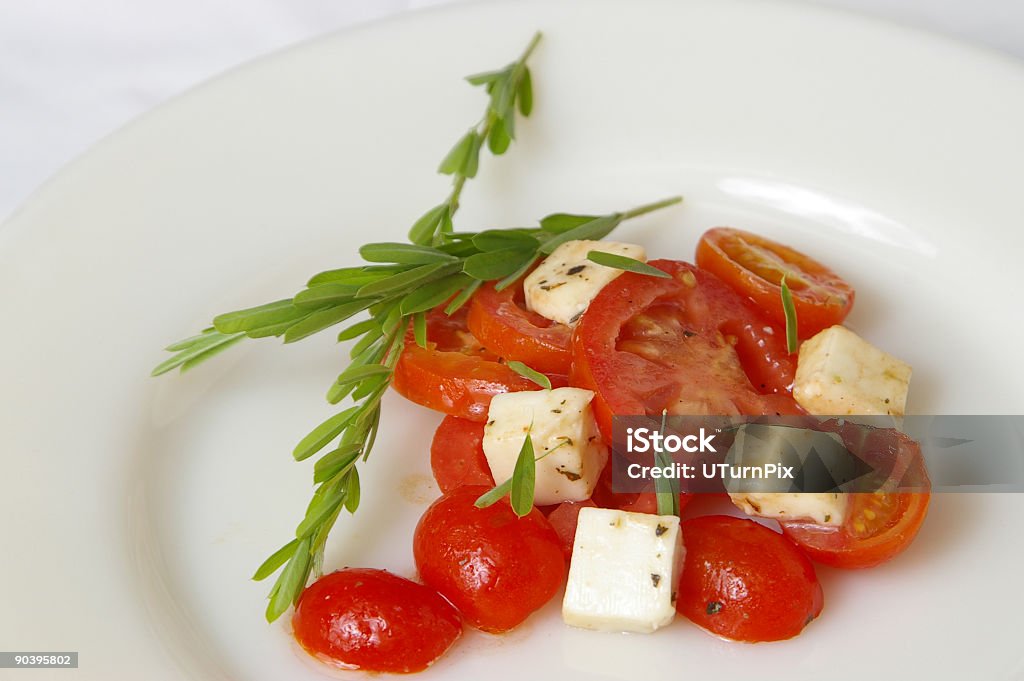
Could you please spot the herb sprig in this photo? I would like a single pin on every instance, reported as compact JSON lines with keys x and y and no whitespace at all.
{"x":396,"y":288}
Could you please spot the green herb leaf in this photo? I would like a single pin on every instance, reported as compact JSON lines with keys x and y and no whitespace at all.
{"x":255,"y":317}
{"x":501,"y":239}
{"x":532,"y":374}
{"x":595,"y":229}
{"x":358,"y":373}
{"x":423,"y":230}
{"x":666,"y":490}
{"x":410,"y":279}
{"x":353,"y":494}
{"x":523,"y":479}
{"x":792,"y":342}
{"x":323,"y":434}
{"x":323,"y":319}
{"x":456,"y":159}
{"x":201,"y":348}
{"x":360,"y":275}
{"x":496,"y":264}
{"x":321,"y":295}
{"x":525,"y":94}
{"x":279,"y":558}
{"x":430,"y":295}
{"x":326,"y":501}
{"x":498,"y":140}
{"x":503,"y":284}
{"x":358,"y":329}
{"x":336,"y":461}
{"x":493,"y":495}
{"x":556,"y":223}
{"x":472,"y":162}
{"x":404,"y":254}
{"x":291,"y":581}
{"x":419,"y":329}
{"x":621,"y":262}
{"x":488,"y":76}
{"x":462,"y":297}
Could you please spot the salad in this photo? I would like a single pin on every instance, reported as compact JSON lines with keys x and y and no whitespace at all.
{"x":531,"y":341}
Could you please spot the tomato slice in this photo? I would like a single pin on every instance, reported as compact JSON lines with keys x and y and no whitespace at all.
{"x":457,"y":454}
{"x":503,"y":324}
{"x":454,"y":374}
{"x":647,"y":344}
{"x":373,"y":620}
{"x":754,"y":266}
{"x":744,"y":581}
{"x":878,"y":525}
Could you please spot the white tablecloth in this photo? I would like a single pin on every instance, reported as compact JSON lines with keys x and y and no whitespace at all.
{"x":71,"y":72}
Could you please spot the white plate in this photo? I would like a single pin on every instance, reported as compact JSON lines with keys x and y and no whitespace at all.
{"x":135,"y":509}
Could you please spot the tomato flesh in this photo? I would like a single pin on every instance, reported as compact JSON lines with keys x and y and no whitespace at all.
{"x":457,"y":454}
{"x":495,"y":567}
{"x":878,"y":525}
{"x":745,"y":582}
{"x":755,"y":265}
{"x":503,"y":324}
{"x":375,"y":621}
{"x":563,"y":520}
{"x":647,"y":344}
{"x":454,"y":374}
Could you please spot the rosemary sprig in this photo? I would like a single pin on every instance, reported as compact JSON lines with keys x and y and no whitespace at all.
{"x":397,"y":286}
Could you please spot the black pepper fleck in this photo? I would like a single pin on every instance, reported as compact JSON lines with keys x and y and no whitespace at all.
{"x":660,"y":530}
{"x":655,"y":579}
{"x":577,"y":269}
{"x":714,"y":607}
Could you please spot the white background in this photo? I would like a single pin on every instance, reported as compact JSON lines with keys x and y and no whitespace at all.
{"x":71,"y":72}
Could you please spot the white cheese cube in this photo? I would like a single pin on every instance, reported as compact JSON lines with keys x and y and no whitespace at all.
{"x":563,"y":431}
{"x":840,"y":374}
{"x":825,"y":508}
{"x":562,"y":286}
{"x":624,"y":572}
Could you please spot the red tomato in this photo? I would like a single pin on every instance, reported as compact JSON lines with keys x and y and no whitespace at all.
{"x":563,"y":519}
{"x":454,"y":374}
{"x":744,"y":581}
{"x":503,"y":324}
{"x":648,"y":344}
{"x":879,"y":525}
{"x":494,"y":567}
{"x":374,"y":620}
{"x":754,"y":266}
{"x":457,"y":454}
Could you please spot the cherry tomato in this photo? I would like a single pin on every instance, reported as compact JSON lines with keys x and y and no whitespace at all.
{"x":754,"y":266}
{"x":502,"y":323}
{"x":745,"y":582}
{"x":457,"y":454}
{"x":494,"y":567}
{"x":648,"y":344}
{"x":454,"y":374}
{"x":563,"y":519}
{"x":880,"y":525}
{"x":375,"y":621}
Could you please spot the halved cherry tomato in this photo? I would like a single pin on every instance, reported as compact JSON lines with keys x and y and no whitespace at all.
{"x":648,"y":344}
{"x":457,"y":454}
{"x":375,"y":621}
{"x":454,"y":374}
{"x":754,"y":266}
{"x":495,"y":567}
{"x":878,"y":525}
{"x":503,"y":324}
{"x":744,"y":581}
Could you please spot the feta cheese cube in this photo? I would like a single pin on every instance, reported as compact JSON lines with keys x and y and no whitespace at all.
{"x":826,"y":508}
{"x":840,"y":374}
{"x":562,"y":286}
{"x":624,"y":572}
{"x":559,"y":421}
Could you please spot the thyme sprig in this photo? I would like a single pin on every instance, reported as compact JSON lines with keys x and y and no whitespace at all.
{"x":393,"y":291}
